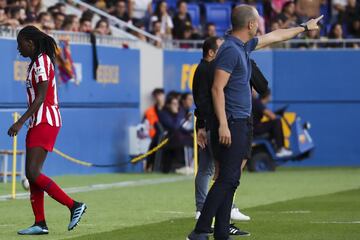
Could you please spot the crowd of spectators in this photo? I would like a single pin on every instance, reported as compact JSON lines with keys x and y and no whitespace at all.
{"x":170,"y":116}
{"x":342,"y":17}
{"x":341,"y":21}
{"x":17,"y":13}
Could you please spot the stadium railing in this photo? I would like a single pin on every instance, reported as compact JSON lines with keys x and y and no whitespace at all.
{"x":291,"y":44}
{"x":117,"y":22}
{"x":76,"y":37}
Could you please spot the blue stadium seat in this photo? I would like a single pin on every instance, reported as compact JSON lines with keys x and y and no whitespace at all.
{"x":260,"y":8}
{"x":194,"y":11}
{"x":220,"y":15}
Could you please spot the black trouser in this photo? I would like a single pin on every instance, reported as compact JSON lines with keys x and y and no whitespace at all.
{"x":172,"y":158}
{"x":220,"y":197}
{"x":273,"y":127}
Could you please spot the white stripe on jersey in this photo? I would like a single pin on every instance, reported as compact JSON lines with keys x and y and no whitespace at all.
{"x":32,"y":90}
{"x":48,"y":117}
{"x":48,"y":65}
{"x":39,"y":115}
{"x":41,"y":69}
{"x":57,"y":120}
{"x":55,"y":88}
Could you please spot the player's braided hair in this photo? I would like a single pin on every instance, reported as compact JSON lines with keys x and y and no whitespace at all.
{"x":43,"y":42}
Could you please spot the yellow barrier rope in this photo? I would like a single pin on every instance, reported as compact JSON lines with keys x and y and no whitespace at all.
{"x":71,"y":159}
{"x":134,"y":160}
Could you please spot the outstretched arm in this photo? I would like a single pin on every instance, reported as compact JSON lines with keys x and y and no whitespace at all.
{"x":286,"y":34}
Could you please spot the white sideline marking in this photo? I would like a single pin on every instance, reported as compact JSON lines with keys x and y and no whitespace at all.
{"x":338,"y":222}
{"x":7,"y":225}
{"x":97,"y":187}
{"x":296,"y":212}
{"x":171,"y":212}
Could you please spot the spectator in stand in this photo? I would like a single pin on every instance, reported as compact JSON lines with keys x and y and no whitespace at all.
{"x":181,"y":20}
{"x":59,"y":19}
{"x":275,"y":26}
{"x":173,"y":122}
{"x":139,"y":24}
{"x":35,"y":7}
{"x":354,"y":31}
{"x":161,"y":14}
{"x":3,"y":17}
{"x":102,"y":27}
{"x":139,"y":10}
{"x":210,"y":30}
{"x":120,"y":11}
{"x":156,"y":26}
{"x":287,"y":18}
{"x":88,"y":14}
{"x":23,"y":4}
{"x":18,"y":13}
{"x":336,"y":32}
{"x":188,"y":34}
{"x":85,"y":25}
{"x":277,"y":5}
{"x":307,"y":9}
{"x":352,"y":13}
{"x":152,"y":117}
{"x":52,"y":10}
{"x":71,"y":23}
{"x":310,"y":35}
{"x":61,"y":7}
{"x":46,"y":21}
{"x":3,"y":4}
{"x":338,"y":9}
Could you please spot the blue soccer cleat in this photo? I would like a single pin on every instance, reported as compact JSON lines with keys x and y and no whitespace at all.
{"x":34,"y":230}
{"x":76,"y":212}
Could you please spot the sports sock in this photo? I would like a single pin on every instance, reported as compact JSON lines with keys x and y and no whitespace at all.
{"x":37,"y":202}
{"x":54,"y":191}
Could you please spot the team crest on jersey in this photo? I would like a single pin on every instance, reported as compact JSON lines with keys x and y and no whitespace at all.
{"x":39,"y":70}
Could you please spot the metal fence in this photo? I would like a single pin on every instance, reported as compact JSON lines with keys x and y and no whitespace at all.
{"x":291,"y":44}
{"x":75,"y":37}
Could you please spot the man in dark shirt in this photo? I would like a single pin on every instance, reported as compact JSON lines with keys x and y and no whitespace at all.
{"x":273,"y":126}
{"x":231,"y":95}
{"x":202,"y":83}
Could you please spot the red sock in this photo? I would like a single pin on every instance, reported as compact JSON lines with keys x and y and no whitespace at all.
{"x":37,"y":202}
{"x":54,"y":190}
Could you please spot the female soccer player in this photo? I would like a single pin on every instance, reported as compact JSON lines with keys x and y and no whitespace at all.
{"x":45,"y":123}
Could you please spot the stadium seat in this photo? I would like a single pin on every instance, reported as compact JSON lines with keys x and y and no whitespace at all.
{"x":220,"y":15}
{"x":194,"y":11}
{"x":171,"y":4}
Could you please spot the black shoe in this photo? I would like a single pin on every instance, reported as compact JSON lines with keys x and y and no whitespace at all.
{"x":197,"y":236}
{"x":235,"y":231}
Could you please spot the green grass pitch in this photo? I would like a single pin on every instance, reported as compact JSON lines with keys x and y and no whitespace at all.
{"x":290,"y":204}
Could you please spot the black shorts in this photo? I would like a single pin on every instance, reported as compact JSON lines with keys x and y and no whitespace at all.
{"x":241,"y":129}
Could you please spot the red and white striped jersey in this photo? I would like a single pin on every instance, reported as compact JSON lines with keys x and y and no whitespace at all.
{"x":43,"y":70}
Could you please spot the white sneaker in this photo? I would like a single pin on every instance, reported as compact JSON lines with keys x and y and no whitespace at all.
{"x":185,"y":171}
{"x":236,"y":215}
{"x":284,"y":153}
{"x":197,"y":215}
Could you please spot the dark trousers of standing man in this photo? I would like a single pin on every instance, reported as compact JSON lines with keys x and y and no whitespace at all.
{"x":220,"y":197}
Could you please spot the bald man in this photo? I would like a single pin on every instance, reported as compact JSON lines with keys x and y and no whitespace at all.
{"x":231,"y":131}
